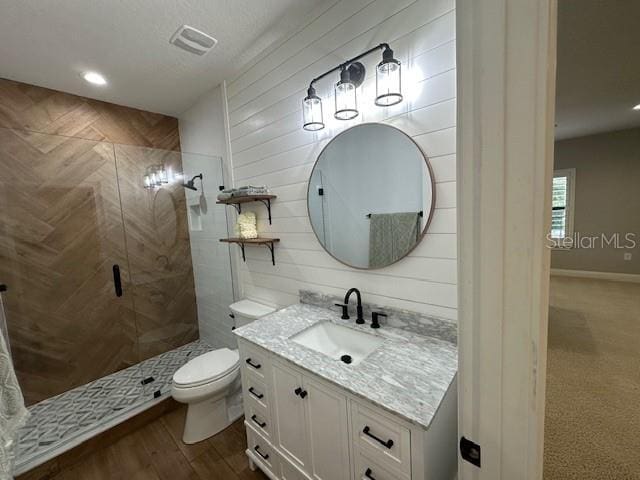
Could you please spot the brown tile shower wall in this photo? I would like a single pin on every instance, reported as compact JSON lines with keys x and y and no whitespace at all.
{"x":42,"y":110}
{"x":72,"y":206}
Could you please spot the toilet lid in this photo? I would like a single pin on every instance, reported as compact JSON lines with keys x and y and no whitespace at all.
{"x":207,"y":367}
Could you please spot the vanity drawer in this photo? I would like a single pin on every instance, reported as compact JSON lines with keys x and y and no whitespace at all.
{"x":259,"y":417}
{"x":290,"y":472}
{"x":255,"y":361}
{"x":262,"y":451}
{"x":368,"y":469}
{"x":256,"y":390}
{"x":378,"y":437}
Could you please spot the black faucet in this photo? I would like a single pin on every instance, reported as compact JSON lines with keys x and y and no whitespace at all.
{"x":359,"y":318}
{"x":375,"y":319}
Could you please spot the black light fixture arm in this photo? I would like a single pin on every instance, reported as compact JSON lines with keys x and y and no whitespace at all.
{"x":382,"y":46}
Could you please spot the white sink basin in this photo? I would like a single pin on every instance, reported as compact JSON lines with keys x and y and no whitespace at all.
{"x":335,"y":341}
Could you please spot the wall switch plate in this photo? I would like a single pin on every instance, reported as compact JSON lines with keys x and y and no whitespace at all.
{"x":627,"y":256}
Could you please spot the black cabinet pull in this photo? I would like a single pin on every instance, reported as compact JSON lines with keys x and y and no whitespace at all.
{"x":254,"y":365}
{"x":297,"y":391}
{"x":117,"y":283}
{"x":257,"y":395}
{"x":367,"y":432}
{"x":257,"y":422}
{"x":300,"y":392}
{"x":303,"y":394}
{"x":263,"y":455}
{"x":368,"y":474}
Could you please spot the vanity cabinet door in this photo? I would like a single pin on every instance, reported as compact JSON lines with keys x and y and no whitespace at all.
{"x":328,"y":432}
{"x":290,"y":410}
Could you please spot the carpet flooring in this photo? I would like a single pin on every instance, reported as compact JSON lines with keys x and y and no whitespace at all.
{"x":592,"y":425}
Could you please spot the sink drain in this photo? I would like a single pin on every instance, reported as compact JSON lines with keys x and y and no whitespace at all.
{"x":346,"y":359}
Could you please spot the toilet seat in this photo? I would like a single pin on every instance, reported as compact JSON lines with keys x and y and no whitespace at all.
{"x":207,"y":368}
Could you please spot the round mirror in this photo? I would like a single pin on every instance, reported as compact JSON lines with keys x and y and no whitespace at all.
{"x":371,"y":196}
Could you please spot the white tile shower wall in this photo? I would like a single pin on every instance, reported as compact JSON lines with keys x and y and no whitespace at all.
{"x":202,"y":135}
{"x":269,"y":147}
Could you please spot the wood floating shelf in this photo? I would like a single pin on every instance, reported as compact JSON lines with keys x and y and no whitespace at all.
{"x":268,"y":242}
{"x":236,"y":202}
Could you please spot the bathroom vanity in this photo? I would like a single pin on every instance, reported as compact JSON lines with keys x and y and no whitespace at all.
{"x":327,"y":399}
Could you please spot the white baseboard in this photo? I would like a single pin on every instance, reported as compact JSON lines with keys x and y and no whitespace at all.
{"x":616,"y":277}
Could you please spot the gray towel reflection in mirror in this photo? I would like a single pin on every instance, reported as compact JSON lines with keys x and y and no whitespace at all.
{"x":392,"y":236}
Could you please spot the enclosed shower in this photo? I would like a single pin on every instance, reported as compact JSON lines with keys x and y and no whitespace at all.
{"x":100,"y":300}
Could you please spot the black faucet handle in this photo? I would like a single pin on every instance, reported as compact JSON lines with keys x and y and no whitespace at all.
{"x":375,"y":323}
{"x":345,"y":310}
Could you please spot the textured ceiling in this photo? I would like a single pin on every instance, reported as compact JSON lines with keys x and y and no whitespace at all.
{"x":598,"y":80}
{"x":49,"y":43}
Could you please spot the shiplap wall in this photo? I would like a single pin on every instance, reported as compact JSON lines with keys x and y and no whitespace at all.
{"x":269,"y":146}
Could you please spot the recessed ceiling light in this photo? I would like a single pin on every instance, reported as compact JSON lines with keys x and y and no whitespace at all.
{"x":94,"y":78}
{"x":637,"y":107}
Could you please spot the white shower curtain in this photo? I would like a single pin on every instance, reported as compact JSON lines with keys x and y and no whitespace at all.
{"x":13,"y":413}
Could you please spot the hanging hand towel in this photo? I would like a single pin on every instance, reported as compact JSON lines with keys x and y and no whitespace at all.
{"x":392,"y":236}
{"x":13,"y":413}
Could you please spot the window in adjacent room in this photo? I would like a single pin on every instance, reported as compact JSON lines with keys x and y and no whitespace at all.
{"x":562,"y":203}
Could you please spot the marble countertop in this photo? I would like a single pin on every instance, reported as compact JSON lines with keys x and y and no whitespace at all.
{"x":408,"y":374}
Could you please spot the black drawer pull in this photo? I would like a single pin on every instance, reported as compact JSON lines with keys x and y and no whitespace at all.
{"x":367,"y":432}
{"x":263,"y":455}
{"x":368,"y":474}
{"x":254,"y":365}
{"x":257,"y":422}
{"x":257,"y":395}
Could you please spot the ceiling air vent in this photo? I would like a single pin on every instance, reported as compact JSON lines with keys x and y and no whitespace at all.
{"x":192,"y":40}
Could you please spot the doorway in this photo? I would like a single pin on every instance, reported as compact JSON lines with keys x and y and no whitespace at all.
{"x":593,"y":360}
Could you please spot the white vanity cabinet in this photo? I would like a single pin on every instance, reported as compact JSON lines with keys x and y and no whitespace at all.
{"x":310,"y":429}
{"x":312,"y":424}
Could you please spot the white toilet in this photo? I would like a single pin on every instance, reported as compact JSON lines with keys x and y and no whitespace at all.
{"x":210,"y":383}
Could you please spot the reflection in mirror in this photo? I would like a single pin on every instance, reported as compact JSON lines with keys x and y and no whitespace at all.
{"x":370,"y":196}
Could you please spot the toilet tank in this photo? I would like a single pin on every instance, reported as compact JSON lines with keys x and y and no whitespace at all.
{"x":246,"y":311}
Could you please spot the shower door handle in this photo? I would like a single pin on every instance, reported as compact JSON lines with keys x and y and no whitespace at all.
{"x":117,"y":283}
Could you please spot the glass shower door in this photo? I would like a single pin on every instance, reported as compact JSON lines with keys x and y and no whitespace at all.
{"x":158,"y":247}
{"x":62,"y":250}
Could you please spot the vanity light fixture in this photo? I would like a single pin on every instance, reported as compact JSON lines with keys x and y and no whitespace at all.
{"x":388,"y":80}
{"x":352,"y":74}
{"x":155,"y":176}
{"x":345,"y":95}
{"x":312,"y":111}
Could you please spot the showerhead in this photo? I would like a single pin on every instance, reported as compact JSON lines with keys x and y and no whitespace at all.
{"x":191,"y":183}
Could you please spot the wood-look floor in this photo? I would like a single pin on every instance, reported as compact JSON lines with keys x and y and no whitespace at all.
{"x":156,"y":452}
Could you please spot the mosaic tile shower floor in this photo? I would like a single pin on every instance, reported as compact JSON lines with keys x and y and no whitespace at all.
{"x":58,"y":420}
